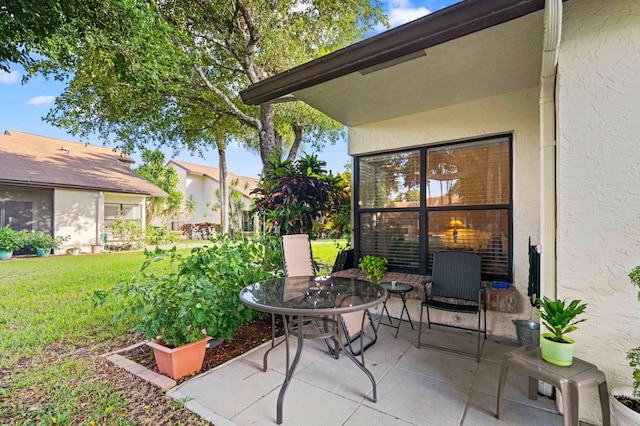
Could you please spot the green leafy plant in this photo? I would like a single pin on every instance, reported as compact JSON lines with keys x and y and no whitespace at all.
{"x":42,"y":240}
{"x":560,"y":319}
{"x":295,"y":196}
{"x":127,"y":232}
{"x":199,"y":296}
{"x":11,"y":240}
{"x":160,"y":235}
{"x":633,"y":356}
{"x":373,"y":267}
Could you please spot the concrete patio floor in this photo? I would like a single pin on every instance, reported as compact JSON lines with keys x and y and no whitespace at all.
{"x":415,"y":386}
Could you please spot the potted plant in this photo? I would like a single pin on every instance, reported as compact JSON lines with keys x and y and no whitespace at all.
{"x":43,"y":243}
{"x":196,"y":297}
{"x":559,"y":319}
{"x":10,"y":241}
{"x":74,"y":251}
{"x":373,"y":267}
{"x":625,"y":400}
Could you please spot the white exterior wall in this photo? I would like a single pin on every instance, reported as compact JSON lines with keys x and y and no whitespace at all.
{"x":210,"y":187}
{"x":516,"y":113}
{"x":75,"y":215}
{"x":598,"y":171}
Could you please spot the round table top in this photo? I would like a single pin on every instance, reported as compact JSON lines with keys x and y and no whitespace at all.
{"x":312,"y":295}
{"x":400,"y":287}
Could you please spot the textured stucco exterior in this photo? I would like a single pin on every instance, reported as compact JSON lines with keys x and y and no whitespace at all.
{"x":598,"y":171}
{"x":75,"y":215}
{"x":201,"y":183}
{"x":515,"y":113}
{"x":80,"y":215}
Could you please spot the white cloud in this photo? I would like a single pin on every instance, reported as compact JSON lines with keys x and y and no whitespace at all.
{"x":9,"y":77}
{"x":41,"y":100}
{"x":402,"y":11}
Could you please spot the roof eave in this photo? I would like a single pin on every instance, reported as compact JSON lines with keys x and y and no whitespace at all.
{"x":160,"y":193}
{"x":447,"y":24}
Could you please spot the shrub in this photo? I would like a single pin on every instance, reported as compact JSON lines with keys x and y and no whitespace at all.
{"x":200,"y":293}
{"x":11,"y":240}
{"x":160,"y":235}
{"x":127,"y":232}
{"x":42,"y":240}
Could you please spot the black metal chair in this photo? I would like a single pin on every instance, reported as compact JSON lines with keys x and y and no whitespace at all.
{"x":456,"y":275}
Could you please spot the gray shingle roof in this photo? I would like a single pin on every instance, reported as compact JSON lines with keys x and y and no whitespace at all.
{"x":27,"y":159}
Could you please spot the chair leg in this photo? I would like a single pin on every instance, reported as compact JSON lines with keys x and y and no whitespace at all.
{"x":479,"y":331}
{"x":420,"y":326}
{"x":428,"y":317}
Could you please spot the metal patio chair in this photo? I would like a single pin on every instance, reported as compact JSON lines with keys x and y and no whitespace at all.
{"x":455,"y":287}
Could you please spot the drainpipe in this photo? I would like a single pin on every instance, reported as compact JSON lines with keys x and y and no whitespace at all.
{"x":99,"y":217}
{"x":548,"y":76}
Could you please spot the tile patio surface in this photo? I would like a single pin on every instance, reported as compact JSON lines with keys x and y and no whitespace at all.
{"x":415,"y":386}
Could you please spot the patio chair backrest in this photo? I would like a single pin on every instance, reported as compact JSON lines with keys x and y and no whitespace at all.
{"x":456,"y":275}
{"x":296,"y":256}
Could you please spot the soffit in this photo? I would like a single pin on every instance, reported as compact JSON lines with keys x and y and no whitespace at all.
{"x":497,"y":60}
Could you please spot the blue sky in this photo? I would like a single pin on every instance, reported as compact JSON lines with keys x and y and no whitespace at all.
{"x":22,"y":106}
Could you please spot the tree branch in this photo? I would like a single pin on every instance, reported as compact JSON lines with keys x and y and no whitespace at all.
{"x":251,"y":121}
{"x":297,"y":140}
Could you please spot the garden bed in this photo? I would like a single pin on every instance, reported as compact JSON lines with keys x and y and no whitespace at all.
{"x":248,"y":336}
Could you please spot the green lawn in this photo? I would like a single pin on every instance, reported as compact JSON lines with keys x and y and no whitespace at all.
{"x":324,"y":253}
{"x":50,"y":336}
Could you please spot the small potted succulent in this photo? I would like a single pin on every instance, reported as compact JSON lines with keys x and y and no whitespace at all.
{"x":43,"y":243}
{"x":373,"y":267}
{"x":625,"y":400}
{"x":10,"y":241}
{"x":559,"y":318}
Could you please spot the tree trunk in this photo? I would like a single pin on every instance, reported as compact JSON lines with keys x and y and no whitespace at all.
{"x":224,"y":190}
{"x":297,"y":140}
{"x":268,"y":142}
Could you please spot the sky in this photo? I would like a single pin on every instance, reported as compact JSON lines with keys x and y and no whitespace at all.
{"x":23,"y":106}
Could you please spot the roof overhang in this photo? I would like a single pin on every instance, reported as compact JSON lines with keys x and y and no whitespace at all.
{"x":470,"y":50}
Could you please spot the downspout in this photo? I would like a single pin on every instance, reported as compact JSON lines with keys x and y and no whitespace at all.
{"x":548,"y":76}
{"x":99,"y":217}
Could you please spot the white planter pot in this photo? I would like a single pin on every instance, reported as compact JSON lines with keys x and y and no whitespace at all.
{"x":624,"y":416}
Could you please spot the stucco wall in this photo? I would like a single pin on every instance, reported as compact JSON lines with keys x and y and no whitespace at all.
{"x":75,"y":215}
{"x":516,"y":113}
{"x":598,"y":164}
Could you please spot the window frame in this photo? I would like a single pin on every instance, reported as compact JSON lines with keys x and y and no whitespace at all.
{"x":423,"y":210}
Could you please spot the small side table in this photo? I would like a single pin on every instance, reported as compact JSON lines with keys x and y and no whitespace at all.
{"x":401,"y":289}
{"x":581,"y":374}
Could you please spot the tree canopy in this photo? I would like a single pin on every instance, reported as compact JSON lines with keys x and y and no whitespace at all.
{"x":165,"y":178}
{"x":170,"y":72}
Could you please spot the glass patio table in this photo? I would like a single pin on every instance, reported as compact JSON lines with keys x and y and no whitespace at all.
{"x":316,"y":301}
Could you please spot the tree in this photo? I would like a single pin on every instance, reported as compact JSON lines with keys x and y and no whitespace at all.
{"x":171,"y":72}
{"x":165,"y":178}
{"x":25,"y":25}
{"x":294,"y":197}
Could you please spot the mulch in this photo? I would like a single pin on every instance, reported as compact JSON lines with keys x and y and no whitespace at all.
{"x":248,"y":336}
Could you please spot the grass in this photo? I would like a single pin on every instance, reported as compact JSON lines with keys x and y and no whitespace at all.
{"x":324,"y":253}
{"x":50,"y":336}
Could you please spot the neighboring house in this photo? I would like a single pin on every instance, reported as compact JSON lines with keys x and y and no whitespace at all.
{"x":201,"y":185}
{"x":510,"y":121}
{"x":68,"y":188}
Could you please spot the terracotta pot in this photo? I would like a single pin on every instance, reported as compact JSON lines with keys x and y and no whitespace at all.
{"x":624,"y":415}
{"x":557,"y":353}
{"x":181,"y":361}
